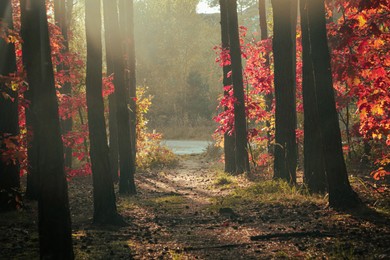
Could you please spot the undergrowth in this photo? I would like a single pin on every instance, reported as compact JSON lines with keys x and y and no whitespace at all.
{"x":268,"y":191}
{"x":150,"y":153}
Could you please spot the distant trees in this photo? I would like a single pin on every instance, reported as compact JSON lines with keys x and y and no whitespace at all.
{"x":285,"y":148}
{"x":61,"y":18}
{"x":105,"y":211}
{"x":53,"y":208}
{"x":9,"y":118}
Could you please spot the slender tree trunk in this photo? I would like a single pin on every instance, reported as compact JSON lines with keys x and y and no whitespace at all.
{"x":9,"y":118}
{"x":60,"y":15}
{"x":105,"y":211}
{"x":285,"y":108}
{"x":53,"y":206}
{"x":229,"y":140}
{"x":268,"y":97}
{"x":131,"y":75}
{"x":341,"y":194}
{"x":115,"y":64}
{"x":314,"y":168}
{"x":123,"y":100}
{"x":240,"y":129}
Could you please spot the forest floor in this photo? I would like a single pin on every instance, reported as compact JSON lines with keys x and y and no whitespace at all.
{"x":194,"y":211}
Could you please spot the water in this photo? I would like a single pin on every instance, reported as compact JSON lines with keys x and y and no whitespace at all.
{"x":182,"y":147}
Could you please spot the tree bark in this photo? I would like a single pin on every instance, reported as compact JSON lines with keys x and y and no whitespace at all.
{"x":341,"y":194}
{"x":284,"y":81}
{"x":115,"y":65}
{"x":105,"y":211}
{"x":314,"y":168}
{"x":240,"y":128}
{"x":9,"y":118}
{"x":131,"y":73}
{"x":60,"y":15}
{"x":53,"y":206}
{"x":268,"y":97}
{"x":123,"y":101}
{"x":229,"y":140}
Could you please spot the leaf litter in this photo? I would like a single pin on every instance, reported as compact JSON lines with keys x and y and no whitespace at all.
{"x":184,"y":213}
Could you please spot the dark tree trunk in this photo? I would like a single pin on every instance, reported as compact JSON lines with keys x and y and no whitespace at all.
{"x":229,"y":142}
{"x":240,"y":129}
{"x":341,"y":194}
{"x":32,"y":174}
{"x":55,"y":233}
{"x":126,"y":154}
{"x":268,"y":97}
{"x":60,"y":14}
{"x":314,"y":168}
{"x":131,"y":72}
{"x":9,"y":118}
{"x":105,"y":211}
{"x":113,"y":138}
{"x":115,"y":64}
{"x":285,"y":108}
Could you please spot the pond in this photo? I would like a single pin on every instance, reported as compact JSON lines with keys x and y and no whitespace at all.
{"x":181,"y":147}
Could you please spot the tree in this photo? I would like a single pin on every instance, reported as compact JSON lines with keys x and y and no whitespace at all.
{"x":314,"y":169}
{"x":127,"y":25}
{"x":341,"y":194}
{"x":9,"y":118}
{"x":105,"y":211}
{"x":123,"y":97}
{"x":115,"y":64}
{"x":53,"y":206}
{"x":264,"y":35}
{"x":240,"y":128}
{"x":285,"y":109}
{"x":60,"y":14}
{"x":229,"y":141}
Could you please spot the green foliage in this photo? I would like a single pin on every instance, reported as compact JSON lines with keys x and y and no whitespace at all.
{"x":150,"y":152}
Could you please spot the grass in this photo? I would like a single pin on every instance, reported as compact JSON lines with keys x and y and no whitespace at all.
{"x":268,"y":191}
{"x":224,"y":180}
{"x":168,"y":203}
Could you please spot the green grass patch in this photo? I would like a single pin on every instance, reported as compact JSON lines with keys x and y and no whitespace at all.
{"x":224,"y":179}
{"x":269,"y":191}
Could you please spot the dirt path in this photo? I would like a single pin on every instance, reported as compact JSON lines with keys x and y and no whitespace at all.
{"x":181,"y":213}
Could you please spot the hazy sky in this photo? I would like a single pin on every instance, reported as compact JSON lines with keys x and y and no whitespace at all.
{"x":204,"y":8}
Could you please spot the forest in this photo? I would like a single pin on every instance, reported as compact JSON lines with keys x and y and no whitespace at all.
{"x":194,"y":129}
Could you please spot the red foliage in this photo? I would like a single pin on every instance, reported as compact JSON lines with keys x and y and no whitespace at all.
{"x":360,"y":49}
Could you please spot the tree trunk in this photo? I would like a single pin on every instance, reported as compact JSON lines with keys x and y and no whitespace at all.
{"x":229,"y":140}
{"x":105,"y":211}
{"x":53,"y":206}
{"x":126,"y":155}
{"x":60,"y":15}
{"x":115,"y":64}
{"x":240,"y":129}
{"x":131,"y":72}
{"x":268,"y":97}
{"x":9,"y":118}
{"x":341,"y":194}
{"x":314,"y":168}
{"x":285,"y":107}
